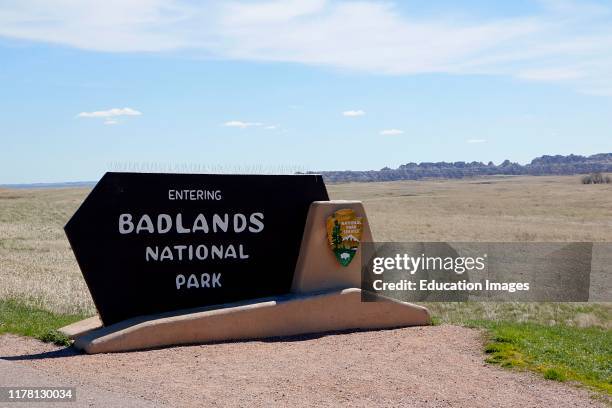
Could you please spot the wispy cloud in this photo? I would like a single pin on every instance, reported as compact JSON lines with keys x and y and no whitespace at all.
{"x":476,"y":141}
{"x":353,"y":113}
{"x":550,"y":74}
{"x":242,"y":125}
{"x":391,"y":132}
{"x":111,"y":116}
{"x":564,"y":41}
{"x":110,"y":113}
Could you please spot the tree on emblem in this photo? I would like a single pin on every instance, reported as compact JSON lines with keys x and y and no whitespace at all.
{"x":336,"y":235}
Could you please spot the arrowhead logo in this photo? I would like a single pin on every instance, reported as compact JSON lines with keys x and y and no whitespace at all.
{"x":344,"y":234}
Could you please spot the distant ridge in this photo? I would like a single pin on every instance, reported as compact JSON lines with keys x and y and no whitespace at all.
{"x":68,"y":184}
{"x":540,"y":166}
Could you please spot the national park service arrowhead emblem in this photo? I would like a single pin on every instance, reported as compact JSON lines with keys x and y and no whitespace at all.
{"x":344,"y":234}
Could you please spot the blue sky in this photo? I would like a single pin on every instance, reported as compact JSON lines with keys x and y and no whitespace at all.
{"x":87,"y":87}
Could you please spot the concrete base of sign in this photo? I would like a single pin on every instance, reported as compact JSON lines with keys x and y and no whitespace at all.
{"x":289,"y":315}
{"x":81,"y":327}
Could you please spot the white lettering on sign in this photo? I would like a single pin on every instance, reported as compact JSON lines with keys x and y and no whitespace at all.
{"x":164,"y":223}
{"x":194,"y":252}
{"x":195,"y":195}
{"x":200,"y":224}
{"x":125,"y":224}
{"x":206,"y":280}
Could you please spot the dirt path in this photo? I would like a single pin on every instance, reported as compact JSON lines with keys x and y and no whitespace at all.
{"x":440,"y":366}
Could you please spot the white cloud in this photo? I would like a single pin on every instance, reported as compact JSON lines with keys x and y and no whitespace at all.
{"x":242,"y":125}
{"x":111,"y":122}
{"x":476,"y":141}
{"x":565,"y":41}
{"x":550,"y":74}
{"x":391,"y":132}
{"x":266,"y":12}
{"x":110,"y":113}
{"x":353,"y":113}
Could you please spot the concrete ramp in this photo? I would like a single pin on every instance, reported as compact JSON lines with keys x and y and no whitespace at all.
{"x":272,"y":317}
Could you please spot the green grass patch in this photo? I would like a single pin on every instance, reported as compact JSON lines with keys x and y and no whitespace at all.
{"x":553,"y":374}
{"x":436,"y":321}
{"x":546,"y":313}
{"x":558,"y":352}
{"x":17,"y":318}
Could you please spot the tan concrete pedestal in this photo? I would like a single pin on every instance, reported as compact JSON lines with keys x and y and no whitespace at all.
{"x":325,"y":297}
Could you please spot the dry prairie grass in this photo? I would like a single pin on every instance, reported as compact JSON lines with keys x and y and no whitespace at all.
{"x":38,"y":267}
{"x":492,"y":209}
{"x":36,"y":262}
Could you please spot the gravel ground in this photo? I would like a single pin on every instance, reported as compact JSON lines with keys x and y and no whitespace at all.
{"x":439,"y":366}
{"x":87,"y":395}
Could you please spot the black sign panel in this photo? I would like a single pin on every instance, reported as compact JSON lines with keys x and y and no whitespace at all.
{"x":149,"y":243}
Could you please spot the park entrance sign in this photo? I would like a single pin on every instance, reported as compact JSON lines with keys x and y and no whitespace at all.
{"x":152,"y":243}
{"x":185,"y":258}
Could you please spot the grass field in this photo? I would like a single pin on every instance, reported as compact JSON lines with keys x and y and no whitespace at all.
{"x":38,"y":273}
{"x":18,"y":318}
{"x":36,"y":263}
{"x":495,"y":209}
{"x":558,"y":352}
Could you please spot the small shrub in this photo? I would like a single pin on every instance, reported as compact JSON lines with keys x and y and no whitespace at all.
{"x":596,"y":178}
{"x":555,"y":375}
{"x":55,"y":337}
{"x":436,"y":321}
